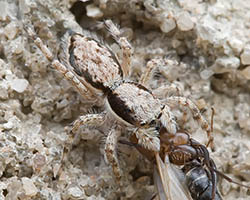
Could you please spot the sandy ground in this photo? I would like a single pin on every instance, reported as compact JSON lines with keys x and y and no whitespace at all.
{"x":207,"y":44}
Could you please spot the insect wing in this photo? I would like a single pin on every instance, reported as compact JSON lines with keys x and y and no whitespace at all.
{"x":170,"y":181}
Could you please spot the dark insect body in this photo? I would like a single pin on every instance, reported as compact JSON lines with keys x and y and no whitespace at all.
{"x":200,"y":172}
{"x":199,"y":182}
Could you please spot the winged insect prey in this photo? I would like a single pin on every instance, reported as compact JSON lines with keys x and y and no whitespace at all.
{"x":200,"y":172}
{"x":202,"y":175}
{"x":183,"y":149}
{"x":168,"y":179}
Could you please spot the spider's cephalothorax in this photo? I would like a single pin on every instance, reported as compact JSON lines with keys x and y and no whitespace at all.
{"x":98,"y":75}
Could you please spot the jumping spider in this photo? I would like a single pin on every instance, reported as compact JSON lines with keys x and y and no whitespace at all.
{"x":96,"y":72}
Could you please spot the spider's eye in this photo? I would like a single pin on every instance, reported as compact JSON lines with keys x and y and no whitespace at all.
{"x":143,"y":123}
{"x":152,"y":122}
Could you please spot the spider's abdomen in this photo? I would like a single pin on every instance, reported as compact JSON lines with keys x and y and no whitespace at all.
{"x":94,"y":62}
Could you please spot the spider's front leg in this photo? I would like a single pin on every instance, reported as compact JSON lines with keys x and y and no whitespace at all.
{"x":149,"y":71}
{"x":183,"y":101}
{"x":167,"y":90}
{"x":124,"y":45}
{"x":56,"y":64}
{"x":164,"y":90}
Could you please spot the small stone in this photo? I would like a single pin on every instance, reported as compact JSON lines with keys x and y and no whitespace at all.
{"x":184,"y":22}
{"x":39,"y":161}
{"x":206,"y":31}
{"x":8,"y":125}
{"x":201,"y":104}
{"x":93,"y":11}
{"x":128,"y":33}
{"x":14,"y":188}
{"x":226,"y":64}
{"x":225,"y":187}
{"x":3,"y":10}
{"x":11,"y":30}
{"x":24,"y":6}
{"x":242,"y":168}
{"x":231,"y":62}
{"x":16,"y":46}
{"x":84,"y":181}
{"x":29,"y":187}
{"x":2,"y":64}
{"x":176,"y":43}
{"x":236,"y":45}
{"x":75,"y":192}
{"x":62,"y":104}
{"x":103,"y":4}
{"x":4,"y":90}
{"x":246,"y":72}
{"x":130,"y":191}
{"x":245,"y":56}
{"x":168,"y":25}
{"x":206,"y":73}
{"x":245,"y":124}
{"x":19,"y":85}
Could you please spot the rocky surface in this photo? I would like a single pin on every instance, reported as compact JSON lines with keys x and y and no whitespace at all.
{"x":208,"y":47}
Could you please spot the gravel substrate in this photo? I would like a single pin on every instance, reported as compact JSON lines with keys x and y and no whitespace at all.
{"x":207,"y":44}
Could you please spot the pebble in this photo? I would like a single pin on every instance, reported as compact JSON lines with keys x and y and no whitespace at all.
{"x":24,"y":6}
{"x":226,"y":64}
{"x":245,"y":56}
{"x":39,"y":161}
{"x":11,"y":30}
{"x":8,"y":125}
{"x":93,"y":11}
{"x":245,"y":124}
{"x":206,"y":73}
{"x":168,"y":25}
{"x":131,"y":191}
{"x":3,"y":10}
{"x":16,"y":46}
{"x":4,"y":90}
{"x":184,"y":22}
{"x":201,"y":103}
{"x":75,"y":192}
{"x":246,"y":72}
{"x":176,"y":43}
{"x":29,"y":187}
{"x":19,"y":85}
{"x":236,"y":44}
{"x":206,"y":31}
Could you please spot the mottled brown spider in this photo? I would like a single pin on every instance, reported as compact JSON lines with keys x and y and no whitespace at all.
{"x":98,"y":75}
